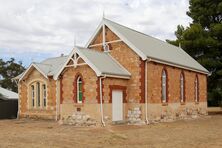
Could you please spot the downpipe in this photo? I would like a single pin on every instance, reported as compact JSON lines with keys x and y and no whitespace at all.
{"x":101,"y":100}
{"x":146,"y":92}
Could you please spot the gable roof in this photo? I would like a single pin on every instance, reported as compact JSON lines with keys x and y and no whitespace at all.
{"x":102,"y":63}
{"x":149,"y":47}
{"x":48,"y":67}
{"x":7,"y":94}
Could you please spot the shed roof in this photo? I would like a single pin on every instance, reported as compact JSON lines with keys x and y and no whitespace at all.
{"x":7,"y":94}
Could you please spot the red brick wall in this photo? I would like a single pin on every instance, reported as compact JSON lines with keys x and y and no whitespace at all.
{"x":90,"y":84}
{"x":33,"y":76}
{"x":154,"y":84}
{"x":128,"y":59}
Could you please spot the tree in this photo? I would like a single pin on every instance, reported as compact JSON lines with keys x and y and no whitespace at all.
{"x":8,"y":70}
{"x":202,"y":39}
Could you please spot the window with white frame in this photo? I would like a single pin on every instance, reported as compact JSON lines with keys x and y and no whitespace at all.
{"x":44,"y":95}
{"x":33,"y":95}
{"x":164,"y":86}
{"x":196,"y":83}
{"x":79,"y":90}
{"x":38,"y":93}
{"x":182,"y":95}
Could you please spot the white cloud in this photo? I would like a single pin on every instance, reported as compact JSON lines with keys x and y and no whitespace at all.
{"x":48,"y":26}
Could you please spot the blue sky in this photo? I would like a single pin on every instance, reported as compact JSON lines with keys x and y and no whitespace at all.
{"x":32,"y":30}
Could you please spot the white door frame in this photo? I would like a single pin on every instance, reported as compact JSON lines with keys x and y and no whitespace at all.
{"x":117,"y":105}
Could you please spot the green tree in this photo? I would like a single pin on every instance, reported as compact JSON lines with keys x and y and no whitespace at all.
{"x":202,"y":39}
{"x":8,"y":70}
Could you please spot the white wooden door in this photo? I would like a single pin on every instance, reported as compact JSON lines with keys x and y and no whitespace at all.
{"x":117,"y":105}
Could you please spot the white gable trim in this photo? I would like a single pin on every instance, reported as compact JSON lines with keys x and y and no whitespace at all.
{"x":78,"y":51}
{"x":94,"y":34}
{"x":103,"y":22}
{"x":139,"y":52}
{"x":36,"y":67}
{"x":55,"y":77}
{"x":98,"y":73}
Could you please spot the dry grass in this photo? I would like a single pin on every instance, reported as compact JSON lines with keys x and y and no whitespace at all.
{"x":203,"y":132}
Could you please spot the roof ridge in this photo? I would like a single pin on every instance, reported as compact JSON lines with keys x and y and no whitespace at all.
{"x":55,"y":57}
{"x":140,"y":32}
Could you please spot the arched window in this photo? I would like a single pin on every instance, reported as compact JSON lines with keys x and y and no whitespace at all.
{"x":182,"y":88}
{"x":196,"y":85}
{"x":38,"y":93}
{"x":79,"y":90}
{"x":164,"y":86}
{"x":44,"y":94}
{"x":33,"y":95}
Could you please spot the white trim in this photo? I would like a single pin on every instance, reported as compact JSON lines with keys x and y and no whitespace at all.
{"x":103,"y":22}
{"x":55,"y":77}
{"x":146,"y":92}
{"x":81,"y":64}
{"x":98,"y":73}
{"x":178,"y":66}
{"x":36,"y":67}
{"x":115,"y":76}
{"x":141,"y":54}
{"x":78,"y":51}
{"x":77,"y":84}
{"x":101,"y":100}
{"x":100,"y":44}
{"x":95,"y":33}
{"x":104,"y":37}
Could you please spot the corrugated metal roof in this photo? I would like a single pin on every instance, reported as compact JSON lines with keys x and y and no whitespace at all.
{"x":104,"y":62}
{"x":155,"y":48}
{"x":48,"y":67}
{"x":55,"y":64}
{"x":7,"y":94}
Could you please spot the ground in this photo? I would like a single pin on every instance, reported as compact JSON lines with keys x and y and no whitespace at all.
{"x":202,"y":132}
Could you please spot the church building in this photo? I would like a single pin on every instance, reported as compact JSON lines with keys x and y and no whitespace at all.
{"x":121,"y":75}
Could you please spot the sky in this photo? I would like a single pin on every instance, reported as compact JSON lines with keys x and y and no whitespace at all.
{"x":33,"y":30}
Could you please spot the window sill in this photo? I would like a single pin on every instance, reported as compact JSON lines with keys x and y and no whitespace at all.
{"x":37,"y":109}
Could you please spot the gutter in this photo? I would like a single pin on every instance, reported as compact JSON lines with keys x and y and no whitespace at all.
{"x":178,"y":66}
{"x":101,"y":100}
{"x":116,"y":76}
